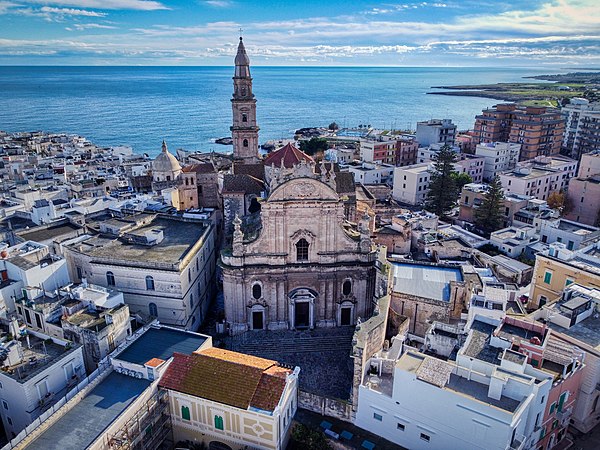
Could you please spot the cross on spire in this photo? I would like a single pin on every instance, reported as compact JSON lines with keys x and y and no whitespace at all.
{"x":241,"y":31}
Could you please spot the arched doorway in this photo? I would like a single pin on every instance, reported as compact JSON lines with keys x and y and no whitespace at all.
{"x":302,"y":305}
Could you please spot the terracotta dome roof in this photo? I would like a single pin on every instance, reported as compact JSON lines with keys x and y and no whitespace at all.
{"x":165,"y":162}
{"x":290,"y":156}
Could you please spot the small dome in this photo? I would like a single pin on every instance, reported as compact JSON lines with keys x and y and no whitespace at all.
{"x":165,"y":162}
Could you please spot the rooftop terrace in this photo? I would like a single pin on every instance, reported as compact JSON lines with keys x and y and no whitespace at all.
{"x":82,"y":425}
{"x":161,"y":343}
{"x":179,"y":238}
{"x":425,"y":281}
{"x":34,"y":359}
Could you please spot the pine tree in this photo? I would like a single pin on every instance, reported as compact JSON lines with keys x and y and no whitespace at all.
{"x":443,"y":191}
{"x":489,"y":217}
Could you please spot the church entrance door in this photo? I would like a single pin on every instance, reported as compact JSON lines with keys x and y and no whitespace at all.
{"x":257,"y":320}
{"x":345,"y":316}
{"x":302,"y":315}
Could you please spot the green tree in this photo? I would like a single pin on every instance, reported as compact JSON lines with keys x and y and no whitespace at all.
{"x":307,"y":438}
{"x":488,"y":216}
{"x":314,"y":146}
{"x":333,"y":126}
{"x":461,"y":179}
{"x":443,"y":192}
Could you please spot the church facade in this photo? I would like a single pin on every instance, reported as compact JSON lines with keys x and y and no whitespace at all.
{"x":307,"y":267}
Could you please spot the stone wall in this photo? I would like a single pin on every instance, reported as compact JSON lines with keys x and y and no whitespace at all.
{"x":339,"y":409}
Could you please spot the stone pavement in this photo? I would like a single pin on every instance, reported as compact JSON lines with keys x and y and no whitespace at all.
{"x":588,"y":441}
{"x":323,"y":356}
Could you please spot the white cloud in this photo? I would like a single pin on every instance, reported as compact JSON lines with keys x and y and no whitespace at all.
{"x":219,"y":3}
{"x":71,"y":12}
{"x":87,"y":26}
{"x":143,"y":5}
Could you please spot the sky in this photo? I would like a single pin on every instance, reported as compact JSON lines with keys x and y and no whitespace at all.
{"x":530,"y":33}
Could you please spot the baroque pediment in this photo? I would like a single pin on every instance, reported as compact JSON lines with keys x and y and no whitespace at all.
{"x":303,"y":189}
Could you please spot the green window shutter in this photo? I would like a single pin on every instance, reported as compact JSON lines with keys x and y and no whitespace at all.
{"x":185,"y":413}
{"x":552,"y":407}
{"x":561,"y":401}
{"x":218,"y":422}
{"x":547,"y":277}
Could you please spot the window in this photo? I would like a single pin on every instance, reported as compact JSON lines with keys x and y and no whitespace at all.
{"x":400,"y":426}
{"x":347,"y":287}
{"x":552,"y":407}
{"x":244,"y":117}
{"x":185,"y":413}
{"x":4,"y":404}
{"x":191,"y":300}
{"x":245,"y":143}
{"x":302,"y":250}
{"x":149,"y":283}
{"x":378,"y":417}
{"x":69,"y":371}
{"x":9,"y":420}
{"x":568,"y":282}
{"x":547,"y":277}
{"x":189,"y":275}
{"x":110,"y":278}
{"x":153,"y":309}
{"x":425,"y":437}
{"x":256,"y":291}
{"x":218,"y":422}
{"x":79,"y":273}
{"x":42,"y":388}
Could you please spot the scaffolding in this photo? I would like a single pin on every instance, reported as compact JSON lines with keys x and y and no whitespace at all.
{"x":148,"y":429}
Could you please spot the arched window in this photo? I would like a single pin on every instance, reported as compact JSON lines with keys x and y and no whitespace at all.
{"x":110,"y":278}
{"x":185,"y":413}
{"x":347,"y":287}
{"x":245,"y":143}
{"x":218,"y":422}
{"x":153,"y":309}
{"x":187,"y":182}
{"x":302,"y":250}
{"x":149,"y":283}
{"x":244,"y":117}
{"x":256,"y":291}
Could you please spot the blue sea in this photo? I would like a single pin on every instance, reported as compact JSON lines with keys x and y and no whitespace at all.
{"x":190,"y":106}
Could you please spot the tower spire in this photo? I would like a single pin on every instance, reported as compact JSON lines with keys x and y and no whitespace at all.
{"x":244,"y":129}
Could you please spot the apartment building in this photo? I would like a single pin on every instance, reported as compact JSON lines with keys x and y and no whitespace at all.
{"x":421,"y":402}
{"x":371,"y":173}
{"x":498,"y":157}
{"x":37,"y":372}
{"x":436,"y":131}
{"x":582,"y":123}
{"x":539,"y":130}
{"x":573,"y":234}
{"x":472,"y":196}
{"x":539,"y":177}
{"x":584,"y":190}
{"x":493,"y":124}
{"x":411,"y":183}
{"x":557,"y":268}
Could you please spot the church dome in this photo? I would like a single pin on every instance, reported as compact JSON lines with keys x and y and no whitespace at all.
{"x":165,"y":162}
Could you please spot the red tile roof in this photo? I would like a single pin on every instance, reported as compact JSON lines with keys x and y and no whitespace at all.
{"x":199,"y":168}
{"x":231,"y":378}
{"x":155,"y":362}
{"x":290,"y":156}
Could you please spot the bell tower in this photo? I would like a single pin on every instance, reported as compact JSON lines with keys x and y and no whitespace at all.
{"x":244,"y":130}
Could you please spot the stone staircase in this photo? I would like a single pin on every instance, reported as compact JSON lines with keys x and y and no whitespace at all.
{"x":272,"y":343}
